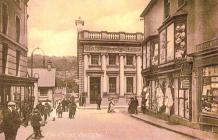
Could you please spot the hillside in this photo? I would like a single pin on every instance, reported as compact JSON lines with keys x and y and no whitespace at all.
{"x":66,"y":69}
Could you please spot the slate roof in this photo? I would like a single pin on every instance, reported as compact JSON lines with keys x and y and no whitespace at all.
{"x":46,"y":77}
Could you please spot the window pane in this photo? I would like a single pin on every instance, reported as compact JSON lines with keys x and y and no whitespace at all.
{"x":148,"y":54}
{"x":112,"y":59}
{"x":17,"y":29}
{"x":94,"y":59}
{"x":163,"y":47}
{"x":129,"y":84}
{"x":129,"y":60}
{"x":4,"y":18}
{"x":112,"y":84}
{"x":144,"y":56}
{"x":155,"y":54}
{"x":170,"y":43}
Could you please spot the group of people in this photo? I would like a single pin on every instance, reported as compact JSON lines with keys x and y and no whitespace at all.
{"x":65,"y":106}
{"x":133,"y":105}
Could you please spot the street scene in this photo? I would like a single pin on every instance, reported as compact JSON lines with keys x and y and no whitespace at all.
{"x":108,"y":70}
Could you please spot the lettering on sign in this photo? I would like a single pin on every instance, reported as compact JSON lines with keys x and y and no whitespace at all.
{"x":185,"y":83}
{"x":111,"y":49}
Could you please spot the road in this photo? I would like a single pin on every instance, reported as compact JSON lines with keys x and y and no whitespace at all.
{"x":93,"y":124}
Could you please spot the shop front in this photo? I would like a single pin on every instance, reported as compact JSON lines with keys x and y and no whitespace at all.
{"x":206,"y":67}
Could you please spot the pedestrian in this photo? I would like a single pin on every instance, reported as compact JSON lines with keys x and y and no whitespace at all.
{"x":131,"y":106}
{"x":143,"y":107}
{"x":98,"y":101}
{"x":59,"y":110}
{"x":25,"y":112}
{"x":35,"y":123}
{"x":40,"y":108}
{"x":11,"y":121}
{"x":111,"y":106}
{"x":64,"y":103}
{"x":72,"y":109}
{"x":46,"y":111}
{"x":136,"y":104}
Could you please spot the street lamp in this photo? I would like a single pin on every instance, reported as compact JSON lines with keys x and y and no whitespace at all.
{"x":32,"y":59}
{"x":79,"y":24}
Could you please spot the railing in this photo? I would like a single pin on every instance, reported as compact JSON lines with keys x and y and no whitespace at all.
{"x":207,"y":45}
{"x":103,"y":35}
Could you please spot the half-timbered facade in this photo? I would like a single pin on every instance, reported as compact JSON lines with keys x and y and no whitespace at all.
{"x":174,"y":30}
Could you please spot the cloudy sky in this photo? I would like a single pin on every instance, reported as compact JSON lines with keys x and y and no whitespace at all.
{"x":51,"y":24}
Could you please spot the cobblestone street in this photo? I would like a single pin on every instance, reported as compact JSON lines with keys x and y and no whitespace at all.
{"x":90,"y":124}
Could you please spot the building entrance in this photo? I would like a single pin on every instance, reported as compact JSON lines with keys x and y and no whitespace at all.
{"x":95,"y":89}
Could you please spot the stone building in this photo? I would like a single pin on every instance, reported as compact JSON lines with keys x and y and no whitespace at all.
{"x":175,"y":32}
{"x":14,"y":84}
{"x":109,"y":65}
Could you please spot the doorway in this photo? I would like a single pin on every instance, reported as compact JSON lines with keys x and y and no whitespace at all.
{"x":95,"y":89}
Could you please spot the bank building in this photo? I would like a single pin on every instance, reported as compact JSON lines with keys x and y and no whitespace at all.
{"x":109,"y":66}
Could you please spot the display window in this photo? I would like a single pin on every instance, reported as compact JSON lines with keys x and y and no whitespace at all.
{"x":209,"y":97}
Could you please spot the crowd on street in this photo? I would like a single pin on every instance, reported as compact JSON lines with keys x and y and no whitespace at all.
{"x":15,"y":116}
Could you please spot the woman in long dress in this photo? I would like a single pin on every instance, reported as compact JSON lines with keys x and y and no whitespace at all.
{"x":168,"y":100}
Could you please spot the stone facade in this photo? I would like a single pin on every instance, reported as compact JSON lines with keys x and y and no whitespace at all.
{"x":103,"y":66}
{"x":14,"y":84}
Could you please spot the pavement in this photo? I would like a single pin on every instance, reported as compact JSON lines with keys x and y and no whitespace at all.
{"x":180,"y":129}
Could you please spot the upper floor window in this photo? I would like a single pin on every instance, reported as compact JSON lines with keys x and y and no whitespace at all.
{"x":148,"y":56}
{"x":166,"y":8}
{"x":17,"y":29}
{"x":4,"y":18}
{"x":112,"y":84}
{"x":4,"y":57}
{"x":94,"y":59}
{"x":129,"y":84}
{"x":180,"y":2}
{"x":167,"y":44}
{"x":112,"y":59}
{"x":144,"y":56}
{"x":129,"y":60}
{"x":154,"y":54}
{"x":17,"y":61}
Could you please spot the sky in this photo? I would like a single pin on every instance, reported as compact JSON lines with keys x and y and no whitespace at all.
{"x":51,"y":23}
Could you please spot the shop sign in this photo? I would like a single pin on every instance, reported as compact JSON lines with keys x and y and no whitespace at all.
{"x":214,"y":79}
{"x":214,"y":85}
{"x":185,"y":83}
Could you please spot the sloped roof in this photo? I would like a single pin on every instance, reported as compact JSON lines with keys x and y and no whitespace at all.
{"x":148,"y":7}
{"x":46,"y":77}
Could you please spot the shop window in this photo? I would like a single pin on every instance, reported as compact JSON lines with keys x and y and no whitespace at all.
{"x":112,"y":59}
{"x":4,"y":18}
{"x":166,"y":8}
{"x":4,"y":58}
{"x":112,"y":84}
{"x":95,"y":59}
{"x":209,"y":97}
{"x":181,"y":2}
{"x":129,"y":60}
{"x":129,"y":84}
{"x":17,"y":62}
{"x":17,"y":29}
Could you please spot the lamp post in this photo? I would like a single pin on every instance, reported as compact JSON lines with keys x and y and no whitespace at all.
{"x":32,"y":59}
{"x":79,"y":24}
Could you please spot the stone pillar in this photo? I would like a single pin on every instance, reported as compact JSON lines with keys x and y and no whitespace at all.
{"x":122,"y":78}
{"x":138,"y":74}
{"x":195,"y":90}
{"x":104,"y":68}
{"x":86,"y":63}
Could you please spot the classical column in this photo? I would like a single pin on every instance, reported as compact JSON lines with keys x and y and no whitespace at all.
{"x":138,"y":74}
{"x":121,"y":71}
{"x":86,"y":63}
{"x":104,"y":68}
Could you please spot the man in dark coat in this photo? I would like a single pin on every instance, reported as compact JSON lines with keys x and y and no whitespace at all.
{"x":35,"y":122}
{"x":136,"y":104}
{"x":11,"y":122}
{"x":98,"y":101}
{"x":40,"y":108}
{"x":72,"y":109}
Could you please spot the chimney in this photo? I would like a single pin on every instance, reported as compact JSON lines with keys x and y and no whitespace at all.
{"x":49,"y":65}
